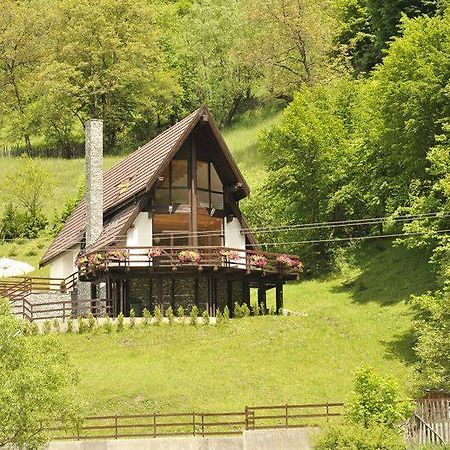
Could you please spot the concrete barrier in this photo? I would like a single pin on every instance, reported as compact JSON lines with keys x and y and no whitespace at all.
{"x":279,"y":439}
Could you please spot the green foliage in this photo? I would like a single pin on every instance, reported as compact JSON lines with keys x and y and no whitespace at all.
{"x":237,"y":311}
{"x":205,"y":317}
{"x":91,"y":322}
{"x":226,"y":314}
{"x":82,"y":326}
{"x":170,"y":315}
{"x":108,"y":325}
{"x":147,"y":317}
{"x":157,"y":314}
{"x":70,"y":325}
{"x":120,"y":323}
{"x":47,"y":327}
{"x":357,"y":437}
{"x":245,"y":310}
{"x":219,"y":317}
{"x":56,"y":325}
{"x":256,"y":310}
{"x":432,"y":327}
{"x":194,"y":315}
{"x":132,"y":318}
{"x":377,"y":401}
{"x":37,"y":386}
{"x":180,"y":311}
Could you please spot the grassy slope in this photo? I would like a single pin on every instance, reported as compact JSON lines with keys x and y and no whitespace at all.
{"x":311,"y":357}
{"x":241,"y":138}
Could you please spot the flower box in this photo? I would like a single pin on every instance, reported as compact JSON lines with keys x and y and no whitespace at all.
{"x":230,"y":255}
{"x":154,"y":252}
{"x":189,"y":256}
{"x":117,"y":255}
{"x":285,"y":261}
{"x":259,"y":261}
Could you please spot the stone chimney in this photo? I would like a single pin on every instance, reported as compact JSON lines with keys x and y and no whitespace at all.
{"x":94,"y":179}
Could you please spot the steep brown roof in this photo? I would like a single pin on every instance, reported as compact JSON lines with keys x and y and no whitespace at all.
{"x":133,"y":175}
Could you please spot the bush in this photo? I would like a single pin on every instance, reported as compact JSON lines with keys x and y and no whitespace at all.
{"x":377,"y":401}
{"x":147,"y":316}
{"x":194,"y":315}
{"x":47,"y":327}
{"x":108,"y":325}
{"x":238,"y":313}
{"x":226,"y":314}
{"x":34,"y":329}
{"x":245,"y":310}
{"x":205,"y":317}
{"x":56,"y":325}
{"x":81,"y":325}
{"x":132,"y":318}
{"x":255,"y":309}
{"x":69,"y":325}
{"x":180,"y":312}
{"x":91,"y":321}
{"x":169,"y":314}
{"x":120,"y":326}
{"x":157,"y":314}
{"x":357,"y":437}
{"x":219,"y":317}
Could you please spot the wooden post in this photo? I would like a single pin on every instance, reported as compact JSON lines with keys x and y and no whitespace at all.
{"x":262,"y":300}
{"x":279,"y":297}
{"x":116,"y":426}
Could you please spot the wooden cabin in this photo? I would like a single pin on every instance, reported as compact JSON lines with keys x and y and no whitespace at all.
{"x":164,"y":227}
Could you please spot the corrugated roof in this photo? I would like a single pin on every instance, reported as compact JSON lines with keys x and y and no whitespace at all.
{"x":134,"y":174}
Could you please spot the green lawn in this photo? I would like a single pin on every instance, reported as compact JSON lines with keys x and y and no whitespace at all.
{"x":311,"y":356}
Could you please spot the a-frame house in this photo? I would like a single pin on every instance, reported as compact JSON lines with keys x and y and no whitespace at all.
{"x":164,"y":227}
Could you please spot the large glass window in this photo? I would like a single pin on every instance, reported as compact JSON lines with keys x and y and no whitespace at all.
{"x":209,"y":186}
{"x":173,"y":189}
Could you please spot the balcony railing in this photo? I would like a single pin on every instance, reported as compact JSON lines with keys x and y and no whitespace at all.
{"x":182,"y":258}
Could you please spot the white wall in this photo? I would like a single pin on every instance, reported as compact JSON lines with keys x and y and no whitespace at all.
{"x":233,"y":236}
{"x":140,"y":234}
{"x":64,"y":264}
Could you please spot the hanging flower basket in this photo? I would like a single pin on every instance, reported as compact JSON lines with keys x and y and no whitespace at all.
{"x":154,"y":252}
{"x":96,"y":261}
{"x":230,"y":255}
{"x":81,"y":261}
{"x":117,"y":255}
{"x":259,"y":261}
{"x":189,"y":256}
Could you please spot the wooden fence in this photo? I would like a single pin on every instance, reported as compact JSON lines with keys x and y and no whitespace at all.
{"x":430,"y":423}
{"x":199,"y":424}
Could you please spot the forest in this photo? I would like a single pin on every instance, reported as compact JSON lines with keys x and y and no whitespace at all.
{"x":362,"y":147}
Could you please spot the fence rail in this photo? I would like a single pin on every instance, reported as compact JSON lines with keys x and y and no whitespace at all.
{"x":198,"y":423}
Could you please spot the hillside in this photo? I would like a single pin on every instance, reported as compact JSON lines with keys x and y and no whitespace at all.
{"x":340,"y":324}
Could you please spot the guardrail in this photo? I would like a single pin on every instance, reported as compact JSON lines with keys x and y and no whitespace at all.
{"x":198,"y":423}
{"x":171,"y":258}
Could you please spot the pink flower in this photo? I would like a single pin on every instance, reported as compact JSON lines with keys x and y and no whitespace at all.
{"x":118,"y":255}
{"x":230,"y":255}
{"x":258,"y":261}
{"x":189,"y":256}
{"x":154,"y":252}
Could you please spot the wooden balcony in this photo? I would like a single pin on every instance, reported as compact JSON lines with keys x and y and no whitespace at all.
{"x":188,"y":259}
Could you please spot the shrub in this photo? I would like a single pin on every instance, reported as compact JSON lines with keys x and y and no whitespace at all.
{"x":47,"y":327}
{"x":157,"y":314}
{"x":205,"y":317}
{"x":170,"y":315}
{"x":13,"y":251}
{"x":69,"y":325}
{"x":147,"y":316}
{"x":194,"y":315}
{"x":255,"y":309}
{"x":219,"y":317}
{"x":238,"y":313}
{"x":226,"y":314}
{"x":34,"y":329}
{"x":108,"y":325}
{"x":120,"y":325}
{"x":31,"y":252}
{"x":245,"y":310}
{"x":81,"y":325}
{"x":357,"y":437}
{"x":91,"y":321}
{"x":377,"y":401}
{"x":132,"y":318}
{"x":26,"y":328}
{"x":56,"y":325}
{"x":180,"y":312}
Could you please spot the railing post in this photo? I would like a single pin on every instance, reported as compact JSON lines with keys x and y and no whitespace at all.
{"x":246,"y":417}
{"x":287,"y":416}
{"x":193,"y":422}
{"x":154,"y":424}
{"x":62,"y":287}
{"x":116,"y":426}
{"x":203,"y":424}
{"x":328,"y":412}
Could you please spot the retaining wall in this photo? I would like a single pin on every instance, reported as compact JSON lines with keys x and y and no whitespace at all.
{"x":279,"y":439}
